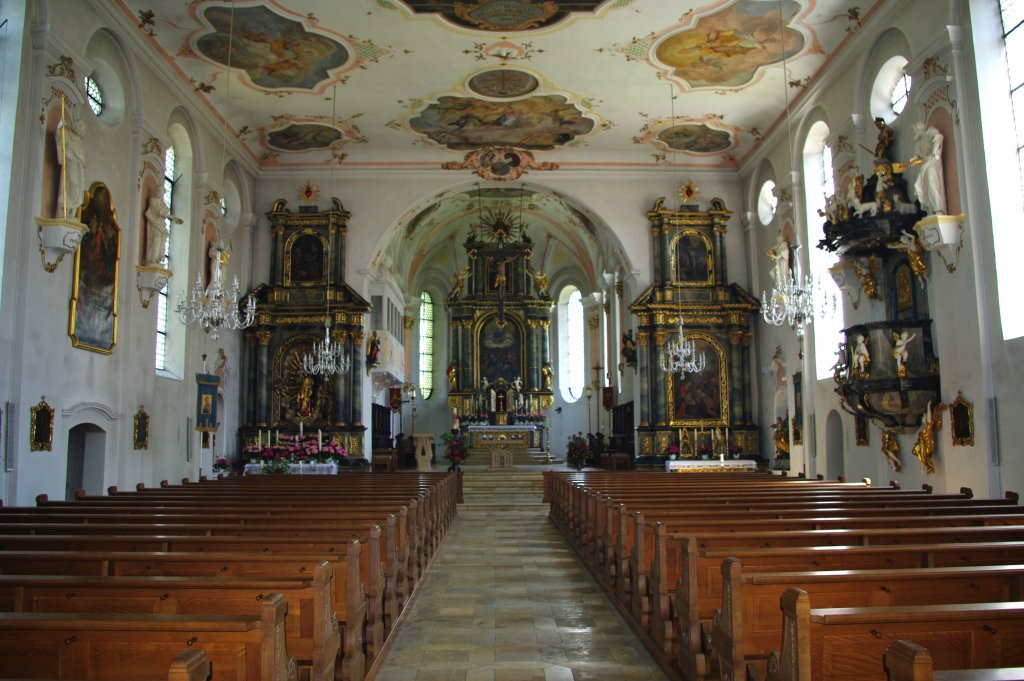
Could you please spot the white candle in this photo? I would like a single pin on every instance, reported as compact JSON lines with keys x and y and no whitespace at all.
{"x":277,"y":435}
{"x":319,"y":439}
{"x":259,"y":439}
{"x":300,"y":430}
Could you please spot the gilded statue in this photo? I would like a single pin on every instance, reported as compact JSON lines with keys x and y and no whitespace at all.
{"x":924,"y":448}
{"x":915,"y":255}
{"x":891,"y":450}
{"x":900,"y":352}
{"x":540,"y":281}
{"x":304,"y":398}
{"x":458,"y":282}
{"x":452,"y":378}
{"x":780,"y":435}
{"x":866,"y":269}
{"x":779,"y":254}
{"x":546,"y":375}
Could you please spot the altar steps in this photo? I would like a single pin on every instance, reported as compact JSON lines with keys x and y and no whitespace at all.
{"x":511,"y":490}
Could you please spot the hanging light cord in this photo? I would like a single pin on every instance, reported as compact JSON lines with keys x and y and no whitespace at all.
{"x":785,"y":92}
{"x":227,"y":85}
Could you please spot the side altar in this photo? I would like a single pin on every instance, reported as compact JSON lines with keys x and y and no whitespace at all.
{"x":690,"y":295}
{"x":306,"y":291}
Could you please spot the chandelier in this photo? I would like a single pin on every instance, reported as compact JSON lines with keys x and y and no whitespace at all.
{"x":215,"y":308}
{"x":792,"y":302}
{"x":680,"y":354}
{"x":327,"y":358}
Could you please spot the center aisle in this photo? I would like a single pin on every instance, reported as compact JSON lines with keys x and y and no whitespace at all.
{"x":507,"y":600}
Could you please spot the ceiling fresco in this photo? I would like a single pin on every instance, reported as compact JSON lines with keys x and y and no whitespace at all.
{"x":274,"y":51}
{"x":540,"y":122}
{"x":543,"y":85}
{"x":504,"y":15}
{"x":726,"y":48}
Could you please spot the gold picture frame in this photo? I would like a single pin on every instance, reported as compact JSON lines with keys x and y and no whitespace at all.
{"x":140,"y":430}
{"x":961,"y":421}
{"x":40,"y":432}
{"x":92,"y":322}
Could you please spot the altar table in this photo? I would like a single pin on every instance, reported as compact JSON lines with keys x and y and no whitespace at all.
{"x":711,"y":466}
{"x":296,"y":469}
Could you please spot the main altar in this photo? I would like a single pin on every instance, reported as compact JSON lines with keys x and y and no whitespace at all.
{"x":499,"y":307}
{"x":307,"y":288}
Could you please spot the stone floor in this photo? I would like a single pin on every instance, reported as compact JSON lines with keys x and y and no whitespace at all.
{"x":507,"y":600}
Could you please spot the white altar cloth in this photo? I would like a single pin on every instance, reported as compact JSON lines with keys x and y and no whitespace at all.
{"x":296,"y":469}
{"x":710,"y":465}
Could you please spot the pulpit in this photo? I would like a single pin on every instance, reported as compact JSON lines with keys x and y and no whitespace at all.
{"x":424,"y":451}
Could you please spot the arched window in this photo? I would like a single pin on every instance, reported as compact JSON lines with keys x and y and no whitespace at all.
{"x":571,"y":342}
{"x":426,"y":345}
{"x":767,"y":203}
{"x":819,"y":183}
{"x":161,"y":301}
{"x":890,"y":90}
{"x":900,"y":94}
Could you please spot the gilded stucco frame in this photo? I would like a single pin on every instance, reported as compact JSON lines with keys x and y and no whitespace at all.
{"x":709,"y":251}
{"x":40,"y":432}
{"x":289,"y":244}
{"x":84,"y":214}
{"x":140,"y":429}
{"x":723,"y":386}
{"x":961,"y":421}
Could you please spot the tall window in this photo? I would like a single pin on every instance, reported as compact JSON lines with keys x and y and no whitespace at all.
{"x":820,"y":182}
{"x":426,"y":345}
{"x":161,"y":301}
{"x":571,"y":343}
{"x":1013,"y":34}
{"x":900,"y":94}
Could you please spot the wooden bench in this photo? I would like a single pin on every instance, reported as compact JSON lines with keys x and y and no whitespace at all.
{"x":907,"y":661}
{"x":748,"y":627}
{"x":311,"y":627}
{"x":348,"y":601}
{"x":847,"y":644}
{"x":127,"y":646}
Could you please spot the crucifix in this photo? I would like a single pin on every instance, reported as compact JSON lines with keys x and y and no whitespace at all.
{"x":502,"y":253}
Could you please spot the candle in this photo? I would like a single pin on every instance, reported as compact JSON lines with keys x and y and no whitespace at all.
{"x":300,"y":429}
{"x":259,"y":439}
{"x":277,"y":435}
{"x":319,"y":439}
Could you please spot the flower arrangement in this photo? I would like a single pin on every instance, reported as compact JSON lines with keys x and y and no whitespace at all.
{"x":673,"y":451}
{"x":577,"y":452}
{"x":455,"y":450}
{"x":294,"y":449}
{"x":735,"y":450}
{"x":221,"y":465}
{"x":704,"y":451}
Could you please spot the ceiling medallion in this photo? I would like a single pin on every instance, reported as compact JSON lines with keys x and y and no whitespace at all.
{"x":507,"y":15}
{"x":503,"y":83}
{"x":308,"y":192}
{"x":499,"y":163}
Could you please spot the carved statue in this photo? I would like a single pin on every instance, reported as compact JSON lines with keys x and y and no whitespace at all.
{"x":780,"y":434}
{"x":777,"y":367}
{"x":915,"y":255}
{"x":891,"y":450}
{"x":452,"y":377}
{"x":854,"y":189}
{"x":458,"y":282}
{"x":221,"y":368}
{"x":517,"y":384}
{"x":840,"y":368}
{"x":372,"y":349}
{"x":883,"y":147}
{"x":72,"y":159}
{"x":779,"y":253}
{"x":540,"y":281}
{"x":157,"y":229}
{"x":924,"y":448}
{"x":545,"y":371}
{"x":861,"y":356}
{"x":900,"y":341}
{"x":929,"y":185}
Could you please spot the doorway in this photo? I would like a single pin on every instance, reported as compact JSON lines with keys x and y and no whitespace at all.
{"x":833,"y":446}
{"x":86,"y":454}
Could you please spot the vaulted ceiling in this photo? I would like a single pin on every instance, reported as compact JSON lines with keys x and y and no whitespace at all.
{"x":498,"y":85}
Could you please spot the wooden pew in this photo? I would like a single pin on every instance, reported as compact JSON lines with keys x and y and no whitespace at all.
{"x":907,"y":661}
{"x":840,"y":644}
{"x":348,"y":600}
{"x":125,"y":646}
{"x":311,"y":627}
{"x":747,"y":627}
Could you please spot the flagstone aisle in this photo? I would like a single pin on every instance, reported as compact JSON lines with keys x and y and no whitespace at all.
{"x":507,"y":600}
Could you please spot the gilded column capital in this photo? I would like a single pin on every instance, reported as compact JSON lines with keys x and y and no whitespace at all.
{"x":660,"y":337}
{"x":735,"y":337}
{"x":641,"y":339}
{"x":263,"y":337}
{"x":408,"y":321}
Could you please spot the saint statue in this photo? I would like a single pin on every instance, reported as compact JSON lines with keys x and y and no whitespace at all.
{"x":71,"y":140}
{"x":924,"y":448}
{"x":304,"y":398}
{"x":779,"y":253}
{"x":929,"y":185}
{"x":158,"y":216}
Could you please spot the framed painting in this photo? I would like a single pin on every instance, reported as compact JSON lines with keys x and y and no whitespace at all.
{"x":93,"y":318}
{"x":307,"y":260}
{"x":961,"y":421}
{"x":692,"y":262}
{"x":798,"y":408}
{"x":500,"y":350}
{"x":140,"y":431}
{"x":701,"y":399}
{"x":861,"y":432}
{"x":40,"y":432}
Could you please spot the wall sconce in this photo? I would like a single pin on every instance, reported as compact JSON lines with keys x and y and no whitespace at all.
{"x":150,"y":280}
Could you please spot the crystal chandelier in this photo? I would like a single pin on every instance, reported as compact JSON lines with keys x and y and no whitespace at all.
{"x":327,"y":358}
{"x":680,"y":354}
{"x":215,"y":308}
{"x":792,"y":302}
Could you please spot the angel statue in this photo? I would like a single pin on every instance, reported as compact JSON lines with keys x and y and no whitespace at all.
{"x":540,"y":281}
{"x":915,"y":255}
{"x":779,"y":254}
{"x":900,"y":353}
{"x":458,"y":282}
{"x":924,"y":448}
{"x":861,"y":357}
{"x":777,"y":367}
